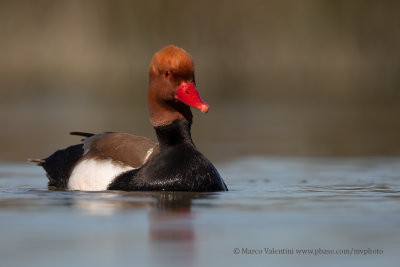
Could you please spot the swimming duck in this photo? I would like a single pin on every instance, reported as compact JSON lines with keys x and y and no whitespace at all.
{"x":121,"y":161}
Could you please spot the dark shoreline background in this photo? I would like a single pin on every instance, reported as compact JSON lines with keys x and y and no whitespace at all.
{"x":296,"y":78}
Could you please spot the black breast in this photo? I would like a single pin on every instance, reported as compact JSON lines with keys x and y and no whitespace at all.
{"x":178,"y":167}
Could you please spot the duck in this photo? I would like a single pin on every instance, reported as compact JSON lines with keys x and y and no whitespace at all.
{"x":122,"y":161}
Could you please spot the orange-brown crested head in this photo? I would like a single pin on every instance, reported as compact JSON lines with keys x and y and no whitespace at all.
{"x":172,"y":87}
{"x":174,"y":60}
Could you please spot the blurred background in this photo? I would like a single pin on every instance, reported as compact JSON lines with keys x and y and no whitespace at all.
{"x":292,"y":77}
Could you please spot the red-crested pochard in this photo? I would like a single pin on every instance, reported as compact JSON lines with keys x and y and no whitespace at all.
{"x":120,"y":161}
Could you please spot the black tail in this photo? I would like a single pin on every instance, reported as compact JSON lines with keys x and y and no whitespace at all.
{"x":38,"y":162}
{"x":81,"y":134}
{"x":59,"y":165}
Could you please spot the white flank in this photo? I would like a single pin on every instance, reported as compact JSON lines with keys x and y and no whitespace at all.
{"x":95,"y":175}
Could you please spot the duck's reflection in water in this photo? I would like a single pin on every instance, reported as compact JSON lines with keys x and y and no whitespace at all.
{"x":171,"y":224}
{"x":109,"y":203}
{"x":172,"y":235}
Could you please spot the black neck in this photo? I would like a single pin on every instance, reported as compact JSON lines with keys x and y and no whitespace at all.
{"x":176,"y":133}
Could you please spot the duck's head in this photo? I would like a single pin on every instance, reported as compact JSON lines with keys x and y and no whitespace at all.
{"x":172,"y":88}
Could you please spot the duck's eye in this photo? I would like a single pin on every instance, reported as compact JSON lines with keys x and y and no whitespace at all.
{"x":167,"y":74}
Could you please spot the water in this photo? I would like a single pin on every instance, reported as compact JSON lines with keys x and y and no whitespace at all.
{"x":275,"y":208}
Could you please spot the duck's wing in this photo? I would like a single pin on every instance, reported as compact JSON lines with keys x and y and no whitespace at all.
{"x":123,"y":148}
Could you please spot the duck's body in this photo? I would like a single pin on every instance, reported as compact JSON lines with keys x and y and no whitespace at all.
{"x":118,"y":161}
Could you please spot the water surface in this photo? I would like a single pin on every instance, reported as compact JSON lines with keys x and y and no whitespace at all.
{"x":275,"y":208}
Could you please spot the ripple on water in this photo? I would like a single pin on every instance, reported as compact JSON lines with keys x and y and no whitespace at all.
{"x":272,"y":202}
